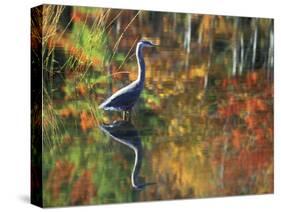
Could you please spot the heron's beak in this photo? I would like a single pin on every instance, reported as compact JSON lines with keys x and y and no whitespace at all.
{"x":154,"y":45}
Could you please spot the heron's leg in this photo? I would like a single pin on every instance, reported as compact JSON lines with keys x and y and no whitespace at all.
{"x":124,"y":115}
{"x":129,"y":115}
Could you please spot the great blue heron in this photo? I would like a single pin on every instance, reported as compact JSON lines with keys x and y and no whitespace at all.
{"x":125,"y":133}
{"x":125,"y":98}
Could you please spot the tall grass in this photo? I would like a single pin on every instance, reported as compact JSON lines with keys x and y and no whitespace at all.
{"x":87,"y":58}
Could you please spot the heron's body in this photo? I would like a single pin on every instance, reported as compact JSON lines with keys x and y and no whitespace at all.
{"x":125,"y":98}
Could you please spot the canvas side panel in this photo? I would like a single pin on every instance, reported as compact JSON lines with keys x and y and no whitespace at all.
{"x":36,"y":106}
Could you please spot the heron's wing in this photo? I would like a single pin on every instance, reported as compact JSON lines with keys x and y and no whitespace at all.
{"x":123,"y":98}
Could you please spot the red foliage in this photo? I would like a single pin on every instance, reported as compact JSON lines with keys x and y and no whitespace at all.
{"x":237,"y":138}
{"x":86,"y":121}
{"x":255,"y":104}
{"x":83,"y":189}
{"x":59,"y":175}
{"x":251,"y":79}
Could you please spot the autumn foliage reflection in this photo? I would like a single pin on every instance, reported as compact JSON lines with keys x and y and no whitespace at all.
{"x":205,"y":116}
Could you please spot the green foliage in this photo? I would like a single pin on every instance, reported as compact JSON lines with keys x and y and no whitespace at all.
{"x":91,"y":41}
{"x":151,"y":97}
{"x":186,"y":129}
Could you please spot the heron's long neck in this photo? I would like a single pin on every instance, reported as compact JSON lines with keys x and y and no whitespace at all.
{"x":141,"y":65}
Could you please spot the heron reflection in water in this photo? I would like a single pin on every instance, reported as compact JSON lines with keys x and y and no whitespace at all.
{"x":125,"y":133}
{"x":125,"y":98}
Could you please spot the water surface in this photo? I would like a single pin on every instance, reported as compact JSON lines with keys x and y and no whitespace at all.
{"x":203,"y":126}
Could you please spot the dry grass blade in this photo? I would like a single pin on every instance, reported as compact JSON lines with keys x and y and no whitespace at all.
{"x":120,"y":37}
{"x":127,"y":55}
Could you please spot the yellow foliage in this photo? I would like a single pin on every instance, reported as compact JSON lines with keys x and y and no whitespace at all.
{"x":200,"y":95}
{"x":198,"y":72}
{"x":182,"y":169}
{"x":205,"y":29}
{"x":222,"y":26}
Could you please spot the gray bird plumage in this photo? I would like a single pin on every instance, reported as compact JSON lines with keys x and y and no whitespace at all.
{"x":125,"y":98}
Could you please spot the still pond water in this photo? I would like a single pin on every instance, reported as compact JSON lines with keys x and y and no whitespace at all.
{"x":203,"y":126}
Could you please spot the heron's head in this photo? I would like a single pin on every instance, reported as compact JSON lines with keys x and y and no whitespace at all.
{"x":145,"y":43}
